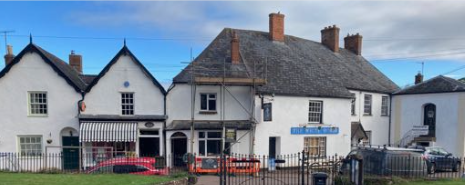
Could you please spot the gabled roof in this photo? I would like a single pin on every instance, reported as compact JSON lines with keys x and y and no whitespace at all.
{"x":297,"y":66}
{"x":87,"y":78}
{"x":125,"y":51}
{"x":62,"y":68}
{"x":439,"y":84}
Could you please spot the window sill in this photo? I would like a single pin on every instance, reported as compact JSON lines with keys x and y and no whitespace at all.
{"x":367,"y":115}
{"x":37,"y":115}
{"x":353,"y":115}
{"x":208,"y":112}
{"x":384,"y":115}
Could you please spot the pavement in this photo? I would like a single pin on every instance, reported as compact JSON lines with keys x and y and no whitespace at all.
{"x":208,"y":180}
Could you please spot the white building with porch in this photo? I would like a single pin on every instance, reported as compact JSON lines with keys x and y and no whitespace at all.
{"x":438,"y":104}
{"x":40,"y":95}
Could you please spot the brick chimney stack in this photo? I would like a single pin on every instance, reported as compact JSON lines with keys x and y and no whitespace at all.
{"x":9,"y":55}
{"x":353,"y":43}
{"x":330,"y":38}
{"x":235,"y":49}
{"x":75,"y":61}
{"x":277,"y":27}
{"x":418,"y":78}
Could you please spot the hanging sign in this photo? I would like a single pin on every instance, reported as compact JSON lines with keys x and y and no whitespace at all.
{"x":230,"y":135}
{"x":314,"y":130}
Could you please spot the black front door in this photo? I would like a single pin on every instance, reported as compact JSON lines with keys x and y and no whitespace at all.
{"x":70,"y":153}
{"x":149,"y":147}
{"x":178,"y":149}
{"x":272,"y":148}
{"x":430,"y":119}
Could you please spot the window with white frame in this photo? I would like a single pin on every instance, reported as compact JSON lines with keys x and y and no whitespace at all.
{"x":38,"y":103}
{"x":352,"y":105}
{"x":209,"y":143}
{"x":208,"y":102}
{"x":315,"y":146}
{"x":367,"y":104}
{"x":30,"y":145}
{"x":315,"y":111}
{"x":127,"y":103}
{"x":384,"y":105}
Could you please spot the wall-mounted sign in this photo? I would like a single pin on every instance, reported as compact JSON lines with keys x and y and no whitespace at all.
{"x":126,"y":84}
{"x":230,"y":135}
{"x":149,"y":124}
{"x":314,"y":130}
{"x":420,"y":130}
{"x":267,"y":112}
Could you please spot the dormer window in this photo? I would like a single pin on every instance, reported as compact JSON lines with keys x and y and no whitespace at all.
{"x":127,"y":103}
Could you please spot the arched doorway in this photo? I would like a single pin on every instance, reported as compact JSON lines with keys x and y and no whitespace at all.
{"x":178,"y":148}
{"x":429,"y":119}
{"x":70,"y":144}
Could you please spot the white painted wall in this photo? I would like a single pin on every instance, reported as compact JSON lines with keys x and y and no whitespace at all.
{"x":291,"y":111}
{"x":377,"y":124}
{"x":179,"y":103}
{"x":33,"y":74}
{"x":409,"y":112}
{"x":105,"y":96}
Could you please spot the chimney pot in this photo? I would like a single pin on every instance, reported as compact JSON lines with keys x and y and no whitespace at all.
{"x":418,"y":78}
{"x":9,"y":55}
{"x":330,"y":38}
{"x":75,"y":61}
{"x":276,"y":27}
{"x":353,"y":43}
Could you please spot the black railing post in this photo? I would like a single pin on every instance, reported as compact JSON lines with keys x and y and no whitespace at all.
{"x":302,"y":169}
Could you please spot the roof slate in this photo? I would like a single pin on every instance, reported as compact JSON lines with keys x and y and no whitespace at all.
{"x":294,"y":67}
{"x":439,"y":84}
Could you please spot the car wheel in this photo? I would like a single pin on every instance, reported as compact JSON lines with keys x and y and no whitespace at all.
{"x":456,"y":167}
{"x":432,"y":168}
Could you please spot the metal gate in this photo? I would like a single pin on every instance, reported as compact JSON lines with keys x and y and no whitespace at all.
{"x":294,"y":169}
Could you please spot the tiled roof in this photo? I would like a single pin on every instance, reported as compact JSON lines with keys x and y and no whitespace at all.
{"x":294,"y":67}
{"x":87,"y":78}
{"x":439,"y":84}
{"x":62,"y":68}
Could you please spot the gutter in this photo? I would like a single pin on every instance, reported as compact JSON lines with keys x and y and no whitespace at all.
{"x":164,"y":126}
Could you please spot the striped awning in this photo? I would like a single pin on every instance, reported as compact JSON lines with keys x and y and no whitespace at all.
{"x":108,"y":132}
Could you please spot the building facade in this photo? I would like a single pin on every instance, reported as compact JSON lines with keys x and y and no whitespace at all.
{"x":125,"y":111}
{"x":40,"y":93}
{"x":438,"y":104}
{"x":297,"y":94}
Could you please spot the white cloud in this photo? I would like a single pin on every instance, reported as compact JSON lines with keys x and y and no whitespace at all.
{"x":396,"y":28}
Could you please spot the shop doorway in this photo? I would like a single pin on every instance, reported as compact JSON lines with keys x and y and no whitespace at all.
{"x":178,"y":148}
{"x":149,"y":147}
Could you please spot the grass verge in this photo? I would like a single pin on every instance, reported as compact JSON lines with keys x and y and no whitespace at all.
{"x":81,"y":179}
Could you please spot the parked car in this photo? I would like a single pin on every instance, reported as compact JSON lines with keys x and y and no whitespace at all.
{"x":388,"y":161}
{"x":132,"y":165}
{"x":439,"y":159}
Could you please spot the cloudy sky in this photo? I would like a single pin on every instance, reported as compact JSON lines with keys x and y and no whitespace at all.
{"x":397,"y":36}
